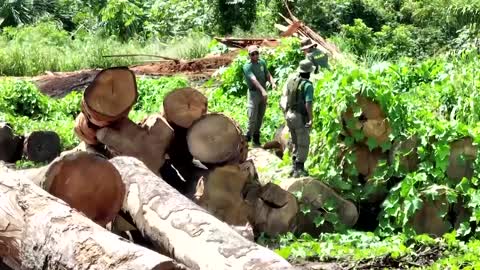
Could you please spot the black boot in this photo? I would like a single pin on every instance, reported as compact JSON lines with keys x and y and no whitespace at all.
{"x":248,"y":137}
{"x":299,"y":170}
{"x":256,"y":139}
{"x":294,"y":167}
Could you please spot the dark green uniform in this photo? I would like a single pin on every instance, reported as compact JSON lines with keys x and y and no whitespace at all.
{"x":256,"y":106}
{"x":299,"y":92}
{"x":318,"y":58}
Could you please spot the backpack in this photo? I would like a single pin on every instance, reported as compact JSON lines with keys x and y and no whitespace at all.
{"x":294,"y":95}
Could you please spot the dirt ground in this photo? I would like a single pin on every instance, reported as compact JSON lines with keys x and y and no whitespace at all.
{"x":58,"y":84}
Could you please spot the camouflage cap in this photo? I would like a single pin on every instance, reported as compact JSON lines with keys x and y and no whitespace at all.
{"x":305,"y":66}
{"x":306,"y":43}
{"x":252,"y":48}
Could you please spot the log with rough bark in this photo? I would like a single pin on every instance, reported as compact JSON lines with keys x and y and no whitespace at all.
{"x":84,"y":131}
{"x":110,"y":96}
{"x":86,"y":181}
{"x":318,"y":197}
{"x":221,"y":193}
{"x":215,"y":139}
{"x":184,"y":106}
{"x":39,"y":232}
{"x":42,"y":146}
{"x":147,"y":141}
{"x":11,"y":146}
{"x":180,"y":228}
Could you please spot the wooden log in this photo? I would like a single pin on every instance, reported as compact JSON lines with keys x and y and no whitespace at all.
{"x":214,"y":139}
{"x":42,"y":146}
{"x":110,"y":96}
{"x":427,"y":219}
{"x":84,"y":131}
{"x":39,"y":231}
{"x":86,"y":181}
{"x":11,"y":146}
{"x":461,"y":160}
{"x":184,"y":106}
{"x":221,"y":193}
{"x":274,"y":211}
{"x":318,"y":195}
{"x":281,"y":141}
{"x":147,"y":141}
{"x":180,"y":228}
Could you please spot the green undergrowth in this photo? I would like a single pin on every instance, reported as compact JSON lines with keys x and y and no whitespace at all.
{"x":368,"y":250}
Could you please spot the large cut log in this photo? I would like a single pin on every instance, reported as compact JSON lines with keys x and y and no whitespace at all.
{"x":184,"y":230}
{"x":428,"y":219}
{"x":39,"y":232}
{"x":320,"y":199}
{"x":86,"y":181}
{"x":42,"y":146}
{"x":221,"y":193}
{"x":215,"y":139}
{"x":11,"y":146}
{"x":110,"y":96}
{"x":405,"y":153}
{"x":147,"y":141}
{"x":184,"y":106}
{"x":281,"y":141}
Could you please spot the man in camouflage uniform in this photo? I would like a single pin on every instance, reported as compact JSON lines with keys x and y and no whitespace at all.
{"x":296,"y":103}
{"x":256,"y":75}
{"x":316,"y":56}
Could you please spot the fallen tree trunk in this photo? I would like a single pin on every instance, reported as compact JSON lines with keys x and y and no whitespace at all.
{"x":10,"y":145}
{"x":42,"y":146}
{"x":39,"y":232}
{"x":184,"y":106}
{"x":182,"y":229}
{"x":110,"y":96}
{"x":215,"y":139}
{"x":147,"y":141}
{"x":86,"y":181}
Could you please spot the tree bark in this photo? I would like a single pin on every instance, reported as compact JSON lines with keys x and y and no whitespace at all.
{"x":184,"y":230}
{"x":184,"y":106}
{"x":42,"y":146}
{"x":85,"y":181}
{"x":147,"y":141}
{"x":39,"y":231}
{"x":215,"y":139}
{"x":10,"y":145}
{"x":84,"y":131}
{"x":110,"y":96}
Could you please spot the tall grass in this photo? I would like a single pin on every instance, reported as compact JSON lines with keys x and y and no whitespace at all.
{"x":32,"y":50}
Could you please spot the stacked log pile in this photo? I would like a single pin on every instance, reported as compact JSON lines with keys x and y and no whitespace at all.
{"x":366,"y":123}
{"x":116,"y":174}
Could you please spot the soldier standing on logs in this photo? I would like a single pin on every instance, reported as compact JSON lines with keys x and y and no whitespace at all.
{"x":256,"y":75}
{"x":296,"y":103}
{"x":315,"y":55}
